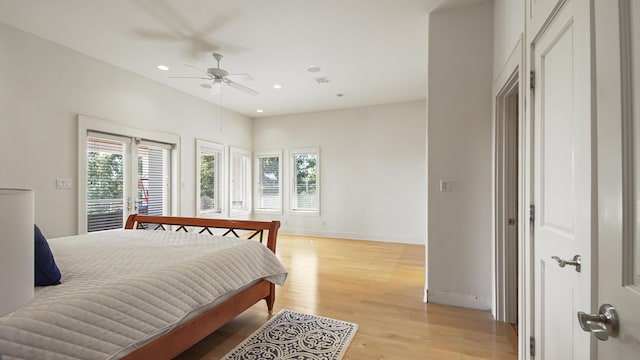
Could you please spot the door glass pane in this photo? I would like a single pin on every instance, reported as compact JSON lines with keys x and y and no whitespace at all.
{"x":153,"y":179}
{"x":105,"y":184}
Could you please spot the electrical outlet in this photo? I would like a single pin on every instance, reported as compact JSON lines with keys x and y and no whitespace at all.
{"x":446,"y":185}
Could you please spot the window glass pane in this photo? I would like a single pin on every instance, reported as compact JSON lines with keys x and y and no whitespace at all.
{"x":305,"y":182}
{"x":240,"y":181}
{"x":209,"y":183}
{"x":210,"y":179}
{"x":105,"y":184}
{"x":269,"y":197}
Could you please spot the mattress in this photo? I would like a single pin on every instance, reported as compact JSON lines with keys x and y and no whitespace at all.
{"x":123,"y":288}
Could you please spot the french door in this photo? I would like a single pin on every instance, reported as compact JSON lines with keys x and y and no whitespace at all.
{"x":124,"y":175}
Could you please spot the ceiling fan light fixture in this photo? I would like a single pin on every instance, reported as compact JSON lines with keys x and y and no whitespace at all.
{"x":215,"y":88}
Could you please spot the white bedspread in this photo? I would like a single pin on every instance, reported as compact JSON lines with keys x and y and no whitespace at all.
{"x":120,"y":288}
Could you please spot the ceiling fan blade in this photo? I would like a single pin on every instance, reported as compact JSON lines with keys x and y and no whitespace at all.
{"x":239,"y":77}
{"x":200,"y":70}
{"x":243,"y":88}
{"x":189,"y":77}
{"x":193,"y":67}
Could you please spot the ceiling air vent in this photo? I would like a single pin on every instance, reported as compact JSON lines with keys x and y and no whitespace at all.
{"x":322,"y":80}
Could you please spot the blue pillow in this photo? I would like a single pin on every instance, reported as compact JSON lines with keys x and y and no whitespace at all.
{"x":46,"y":270}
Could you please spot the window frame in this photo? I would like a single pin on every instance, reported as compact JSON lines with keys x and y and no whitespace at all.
{"x":257,"y":182}
{"x":246,"y":182}
{"x":292,"y":175}
{"x":211,"y":147}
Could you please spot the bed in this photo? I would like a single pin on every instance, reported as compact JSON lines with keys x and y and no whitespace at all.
{"x":176,"y":285}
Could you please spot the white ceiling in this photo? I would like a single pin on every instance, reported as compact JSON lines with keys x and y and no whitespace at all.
{"x":372,"y":51}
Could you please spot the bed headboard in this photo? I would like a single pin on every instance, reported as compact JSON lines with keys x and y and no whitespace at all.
{"x":186,"y":224}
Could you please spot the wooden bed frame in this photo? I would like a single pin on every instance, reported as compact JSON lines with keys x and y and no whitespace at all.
{"x":196,"y":329}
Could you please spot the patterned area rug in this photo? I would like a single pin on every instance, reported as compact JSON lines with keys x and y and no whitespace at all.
{"x":296,"y":336}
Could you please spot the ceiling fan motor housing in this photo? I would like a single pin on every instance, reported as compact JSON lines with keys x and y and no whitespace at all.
{"x":217,"y":73}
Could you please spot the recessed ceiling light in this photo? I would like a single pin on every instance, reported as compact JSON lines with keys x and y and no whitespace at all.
{"x":277,"y":86}
{"x":163,"y":67}
{"x":259,"y":110}
{"x":313,"y":69}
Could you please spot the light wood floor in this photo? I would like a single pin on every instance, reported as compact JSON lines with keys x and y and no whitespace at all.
{"x":379,"y":286}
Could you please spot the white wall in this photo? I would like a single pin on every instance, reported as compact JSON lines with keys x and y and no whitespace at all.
{"x":43,"y":88}
{"x":508,"y":19}
{"x":372,"y":169}
{"x":459,"y":149}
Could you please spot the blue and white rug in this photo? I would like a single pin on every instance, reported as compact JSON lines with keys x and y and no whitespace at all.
{"x":296,"y":336}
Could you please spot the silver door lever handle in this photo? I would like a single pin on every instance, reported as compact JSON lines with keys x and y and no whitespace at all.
{"x":603,"y":324}
{"x":577,"y":261}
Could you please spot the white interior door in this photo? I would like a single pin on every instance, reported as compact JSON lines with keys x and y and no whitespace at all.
{"x":562,"y":181}
{"x":618,"y":133}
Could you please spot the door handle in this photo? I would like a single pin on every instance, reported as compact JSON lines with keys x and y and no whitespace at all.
{"x":603,"y":324}
{"x":577,"y":261}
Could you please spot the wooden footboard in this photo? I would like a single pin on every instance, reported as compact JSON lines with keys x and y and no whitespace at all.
{"x":189,"y":333}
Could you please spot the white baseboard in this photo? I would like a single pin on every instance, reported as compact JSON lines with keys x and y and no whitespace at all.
{"x":456,"y":299}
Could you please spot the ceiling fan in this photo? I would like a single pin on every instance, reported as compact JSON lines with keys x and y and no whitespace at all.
{"x":219,"y":76}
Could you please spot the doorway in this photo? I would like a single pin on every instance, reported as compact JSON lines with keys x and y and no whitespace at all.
{"x":122,"y":171}
{"x":506,"y":217}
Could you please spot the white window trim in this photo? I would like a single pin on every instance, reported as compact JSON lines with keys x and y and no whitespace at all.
{"x":292,"y":175}
{"x":87,"y":124}
{"x":220,"y":149}
{"x":248,"y":191}
{"x":262,"y":154}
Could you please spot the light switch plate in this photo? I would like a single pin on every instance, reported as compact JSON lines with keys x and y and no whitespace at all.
{"x":63,"y":184}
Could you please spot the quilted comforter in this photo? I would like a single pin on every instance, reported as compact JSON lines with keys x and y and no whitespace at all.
{"x":122,"y":288}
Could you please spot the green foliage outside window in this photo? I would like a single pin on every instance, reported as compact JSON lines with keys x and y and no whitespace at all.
{"x":306,"y":174}
{"x":207,"y":181}
{"x":104,"y":175}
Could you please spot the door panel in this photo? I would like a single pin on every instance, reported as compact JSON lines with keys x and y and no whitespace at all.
{"x":617,"y":39}
{"x":557,"y":140}
{"x":559,"y":293}
{"x":562,"y":181}
{"x":539,"y":11}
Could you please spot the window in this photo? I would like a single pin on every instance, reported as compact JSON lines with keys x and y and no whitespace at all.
{"x":305,"y":194}
{"x":268,"y":196}
{"x":240,"y":182}
{"x":210,"y":175}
